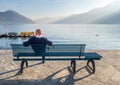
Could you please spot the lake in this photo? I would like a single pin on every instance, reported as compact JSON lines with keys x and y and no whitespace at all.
{"x":95,"y":36}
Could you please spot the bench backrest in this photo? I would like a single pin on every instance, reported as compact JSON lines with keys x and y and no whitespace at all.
{"x":17,"y":48}
{"x":68,"y":48}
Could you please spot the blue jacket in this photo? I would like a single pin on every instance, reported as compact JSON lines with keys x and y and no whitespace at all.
{"x":38,"y":40}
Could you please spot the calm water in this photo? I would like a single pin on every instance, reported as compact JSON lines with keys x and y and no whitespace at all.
{"x":97,"y":37}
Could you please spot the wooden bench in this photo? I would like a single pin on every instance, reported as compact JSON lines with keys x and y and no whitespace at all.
{"x":59,"y":52}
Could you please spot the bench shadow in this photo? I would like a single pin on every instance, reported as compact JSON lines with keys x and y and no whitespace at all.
{"x":51,"y":79}
{"x":18,"y":71}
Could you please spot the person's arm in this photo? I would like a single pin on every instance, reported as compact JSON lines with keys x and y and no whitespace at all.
{"x":27,"y":43}
{"x":48,"y":42}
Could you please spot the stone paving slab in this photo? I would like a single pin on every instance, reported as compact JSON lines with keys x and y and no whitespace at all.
{"x":59,"y":72}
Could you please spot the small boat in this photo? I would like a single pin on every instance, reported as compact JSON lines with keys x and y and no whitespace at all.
{"x":13,"y":34}
{"x":27,"y":33}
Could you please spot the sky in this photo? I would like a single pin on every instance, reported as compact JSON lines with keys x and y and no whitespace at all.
{"x":36,"y":9}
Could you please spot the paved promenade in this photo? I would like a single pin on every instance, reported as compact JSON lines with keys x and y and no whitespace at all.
{"x":59,"y":72}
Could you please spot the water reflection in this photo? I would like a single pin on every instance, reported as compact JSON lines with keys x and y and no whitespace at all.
{"x":6,"y":41}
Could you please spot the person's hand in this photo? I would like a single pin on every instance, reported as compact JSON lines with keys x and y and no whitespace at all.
{"x":53,"y":45}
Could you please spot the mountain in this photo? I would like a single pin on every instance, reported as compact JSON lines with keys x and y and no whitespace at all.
{"x":48,"y":20}
{"x":12,"y":17}
{"x":109,"y":14}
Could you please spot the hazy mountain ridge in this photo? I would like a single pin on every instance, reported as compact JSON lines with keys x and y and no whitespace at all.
{"x":48,"y":20}
{"x":12,"y":17}
{"x":112,"y":18}
{"x":109,"y":14}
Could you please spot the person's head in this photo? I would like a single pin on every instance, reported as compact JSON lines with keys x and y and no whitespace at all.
{"x":38,"y":32}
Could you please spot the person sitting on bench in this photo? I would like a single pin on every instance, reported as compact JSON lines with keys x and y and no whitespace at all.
{"x":38,"y":39}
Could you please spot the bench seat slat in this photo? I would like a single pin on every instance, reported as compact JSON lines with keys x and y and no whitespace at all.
{"x":51,"y":54}
{"x":58,"y":59}
{"x":92,"y":55}
{"x":63,"y":54}
{"x":88,"y":56}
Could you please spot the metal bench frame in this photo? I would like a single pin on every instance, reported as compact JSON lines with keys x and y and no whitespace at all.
{"x":54,"y":53}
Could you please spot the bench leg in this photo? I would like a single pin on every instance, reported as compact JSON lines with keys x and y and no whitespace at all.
{"x":93,"y":65}
{"x":73,"y":65}
{"x":43,"y":59}
{"x":26,"y":63}
{"x":22,"y":65}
